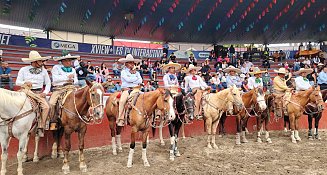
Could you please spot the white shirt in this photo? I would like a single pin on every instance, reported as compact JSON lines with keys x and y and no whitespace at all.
{"x":168,"y":82}
{"x":76,"y":64}
{"x":244,"y":70}
{"x":129,"y":80}
{"x":252,"y":84}
{"x":198,"y":83}
{"x":301,"y":84}
{"x":37,"y":80}
{"x":215,"y":80}
{"x":59,"y":77}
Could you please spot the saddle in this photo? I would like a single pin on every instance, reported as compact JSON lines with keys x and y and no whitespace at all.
{"x":131,"y":101}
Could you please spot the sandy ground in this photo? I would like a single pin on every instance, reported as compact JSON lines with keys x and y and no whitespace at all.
{"x":280,"y":157}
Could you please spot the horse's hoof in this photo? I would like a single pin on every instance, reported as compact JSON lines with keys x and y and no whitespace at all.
{"x":171,"y":158}
{"x":298,"y":139}
{"x":215,"y":146}
{"x":65,"y":169}
{"x":35,"y":159}
{"x":220,"y":136}
{"x":269,"y":140}
{"x":83,"y":168}
{"x":129,"y":165}
{"x":176,"y":153}
{"x":3,"y":172}
{"x":54,"y":156}
{"x":285,"y":129}
{"x":310,"y":138}
{"x":259,"y":140}
{"x":162,"y":143}
{"x":294,"y":141}
{"x":24,"y":159}
{"x":184,"y":137}
{"x":114,"y":152}
{"x":317,"y":137}
{"x":20,"y":173}
{"x":146,"y":163}
{"x":120,"y":150}
{"x":209,"y":146}
{"x":61,"y":154}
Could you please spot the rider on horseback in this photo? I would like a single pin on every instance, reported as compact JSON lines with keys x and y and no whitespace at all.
{"x":301,"y":82}
{"x":256,"y":80}
{"x":130,"y":78}
{"x":63,"y":80}
{"x":281,"y":89}
{"x":32,"y":78}
{"x":170,"y":79}
{"x":196,"y":83}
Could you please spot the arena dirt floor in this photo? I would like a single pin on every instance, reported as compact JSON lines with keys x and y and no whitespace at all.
{"x":280,"y":157}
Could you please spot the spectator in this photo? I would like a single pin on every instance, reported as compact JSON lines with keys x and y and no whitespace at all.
{"x":286,"y":65}
{"x":316,"y":60}
{"x":5,"y":77}
{"x":192,"y":60}
{"x":156,"y":67}
{"x":165,"y":47}
{"x":82,"y":73}
{"x":248,"y":65}
{"x":275,"y":56}
{"x":223,"y":80}
{"x":244,"y":70}
{"x":212,"y":55}
{"x":265,"y":62}
{"x":1,"y":59}
{"x":224,"y":65}
{"x":245,"y":87}
{"x":104,"y":72}
{"x":309,"y":46}
{"x":215,"y":82}
{"x":110,"y":86}
{"x":164,"y":56}
{"x":231,"y":51}
{"x":282,"y":55}
{"x":266,"y":80}
{"x":172,"y":57}
{"x":77,"y":62}
{"x":296,"y":66}
{"x":238,"y":64}
{"x":90,"y":76}
{"x":115,"y":69}
{"x":227,"y":59}
{"x":307,"y":62}
{"x":322,"y":79}
{"x":97,"y":73}
{"x":148,"y":87}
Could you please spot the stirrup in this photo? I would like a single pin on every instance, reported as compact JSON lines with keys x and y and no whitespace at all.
{"x":53,"y":126}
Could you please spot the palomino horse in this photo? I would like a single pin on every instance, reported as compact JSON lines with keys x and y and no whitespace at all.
{"x":296,"y":107}
{"x":82,"y":106}
{"x":112,"y":113}
{"x":16,"y":118}
{"x":183,"y":106}
{"x":141,"y":114}
{"x":214,"y":105}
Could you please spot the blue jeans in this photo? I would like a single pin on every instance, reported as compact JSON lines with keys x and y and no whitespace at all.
{"x":90,"y":77}
{"x":81,"y":83}
{"x":116,"y":72}
{"x":4,"y":83}
{"x":224,"y":84}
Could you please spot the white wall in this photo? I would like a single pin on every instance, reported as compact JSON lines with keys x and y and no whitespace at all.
{"x":82,"y":38}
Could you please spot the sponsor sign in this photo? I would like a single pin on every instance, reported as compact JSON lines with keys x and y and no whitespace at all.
{"x":64,"y":45}
{"x":4,"y":39}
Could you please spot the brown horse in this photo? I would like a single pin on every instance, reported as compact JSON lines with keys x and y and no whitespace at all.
{"x":141,"y":114}
{"x":83,"y":106}
{"x":296,"y":107}
{"x":112,"y":113}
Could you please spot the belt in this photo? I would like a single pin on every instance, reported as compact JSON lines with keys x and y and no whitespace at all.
{"x":37,"y":91}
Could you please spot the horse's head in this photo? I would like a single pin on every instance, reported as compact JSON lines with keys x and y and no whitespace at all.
{"x":95,"y":100}
{"x":234,"y":99}
{"x":189,"y":103}
{"x":165,"y":103}
{"x":259,"y":98}
{"x":316,"y":98}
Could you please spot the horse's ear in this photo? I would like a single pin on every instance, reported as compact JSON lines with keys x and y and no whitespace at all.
{"x":162,"y":90}
{"x":88,"y":83}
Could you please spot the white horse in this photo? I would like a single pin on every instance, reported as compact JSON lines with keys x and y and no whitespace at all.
{"x":12,"y":106}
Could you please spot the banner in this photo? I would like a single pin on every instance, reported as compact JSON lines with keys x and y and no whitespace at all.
{"x":64,"y":45}
{"x":186,"y":54}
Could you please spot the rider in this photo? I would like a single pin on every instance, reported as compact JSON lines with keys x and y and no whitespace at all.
{"x":301,"y":82}
{"x":130,"y":78}
{"x":256,"y":80}
{"x":280,"y":86}
{"x":64,"y":78}
{"x":170,"y":79}
{"x":32,"y":78}
{"x":195,"y":83}
{"x":232,"y":78}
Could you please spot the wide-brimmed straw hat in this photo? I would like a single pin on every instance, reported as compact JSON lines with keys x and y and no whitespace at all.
{"x":302,"y":70}
{"x":34,"y":56}
{"x":320,"y":64}
{"x":192,"y":67}
{"x":256,"y":70}
{"x":129,"y":58}
{"x":232,"y":68}
{"x":171,"y":64}
{"x":281,"y":71}
{"x":66,"y":55}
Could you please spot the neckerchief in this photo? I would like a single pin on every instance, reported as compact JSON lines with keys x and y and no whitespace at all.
{"x":305,"y":79}
{"x":194,"y":77}
{"x":172,"y":77}
{"x":35,"y":70}
{"x":67,"y":69}
{"x":257,"y":80}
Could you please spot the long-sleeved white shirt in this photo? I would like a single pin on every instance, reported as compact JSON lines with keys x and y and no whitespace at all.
{"x":168,"y":81}
{"x":301,"y":84}
{"x":191,"y":83}
{"x":129,"y":80}
{"x":252,"y":84}
{"x":59,"y":77}
{"x":37,"y":80}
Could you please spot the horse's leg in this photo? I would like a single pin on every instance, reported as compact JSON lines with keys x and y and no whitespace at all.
{"x":112,"y":124}
{"x":37,"y":140}
{"x":20,"y":153}
{"x":244,"y":124}
{"x":183,"y":130}
{"x":267,"y":136}
{"x":259,"y":127}
{"x":296,"y":133}
{"x":214,"y":130}
{"x":310,"y":127}
{"x":118,"y":138}
{"x":60,"y":150}
{"x":4,"y":156}
{"x":65,"y":167}
{"x":81,"y":135}
{"x":172,"y":141}
{"x":160,"y":133}
{"x":238,"y":129}
{"x":144,"y":144}
{"x":208,"y":127}
{"x":221,"y":125}
{"x":131,"y":148}
{"x":317,"y":119}
{"x":292,"y":126}
{"x":286,"y":120}
{"x":25,"y":156}
{"x":177,"y":127}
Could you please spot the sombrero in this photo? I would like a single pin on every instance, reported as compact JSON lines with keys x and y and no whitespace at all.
{"x":307,"y":71}
{"x":281,"y":70}
{"x":171,"y":64}
{"x":66,"y":55}
{"x":129,"y":58}
{"x":320,"y":64}
{"x":232,"y":68}
{"x":34,"y":56}
{"x":192,"y":67}
{"x":256,"y":70}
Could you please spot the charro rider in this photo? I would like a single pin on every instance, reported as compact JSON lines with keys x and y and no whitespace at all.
{"x":281,"y":88}
{"x":130,"y":79}
{"x":63,"y":79}
{"x":256,"y":80}
{"x":196,"y":83}
{"x":233,"y":78}
{"x":170,"y":79}
{"x":32,"y":78}
{"x":301,"y":82}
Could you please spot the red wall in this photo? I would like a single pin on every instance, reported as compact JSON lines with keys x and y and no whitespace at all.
{"x":99,"y":135}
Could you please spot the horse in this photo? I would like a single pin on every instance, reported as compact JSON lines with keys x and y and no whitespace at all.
{"x":264,"y":116}
{"x":112,"y":112}
{"x":16,"y":119}
{"x":214,"y":105}
{"x":183,"y":106}
{"x":141,"y":114}
{"x":82,"y":106}
{"x":296,"y":107}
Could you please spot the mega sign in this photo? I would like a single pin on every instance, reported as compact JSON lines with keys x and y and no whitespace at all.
{"x":64,"y":45}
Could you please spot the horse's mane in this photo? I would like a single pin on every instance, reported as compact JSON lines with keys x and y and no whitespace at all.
{"x":9,"y":98}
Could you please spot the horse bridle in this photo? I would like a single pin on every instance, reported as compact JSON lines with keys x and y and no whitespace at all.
{"x":254,"y":106}
{"x":186,"y":109}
